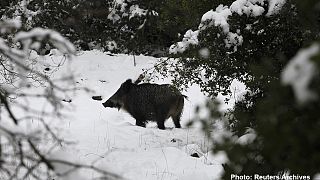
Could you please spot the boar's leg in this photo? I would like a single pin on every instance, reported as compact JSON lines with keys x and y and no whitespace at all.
{"x":177,"y":112}
{"x":140,"y":123}
{"x":176,"y":121}
{"x":160,"y":123}
{"x":161,"y":116}
{"x":140,"y":119}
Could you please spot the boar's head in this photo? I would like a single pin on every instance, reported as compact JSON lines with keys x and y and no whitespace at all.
{"x":117,"y":100}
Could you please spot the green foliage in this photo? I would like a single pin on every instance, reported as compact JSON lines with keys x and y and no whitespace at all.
{"x":288,"y":137}
{"x":176,"y":17}
{"x":287,"y":131}
{"x":86,"y":23}
{"x":278,"y":36}
{"x":240,"y":118}
{"x":273,"y":55}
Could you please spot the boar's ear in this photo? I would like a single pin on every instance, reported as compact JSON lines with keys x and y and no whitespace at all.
{"x":128,"y":81}
{"x":127,"y":85}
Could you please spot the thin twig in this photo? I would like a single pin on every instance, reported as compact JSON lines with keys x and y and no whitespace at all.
{"x":6,"y":105}
{"x":43,"y":159}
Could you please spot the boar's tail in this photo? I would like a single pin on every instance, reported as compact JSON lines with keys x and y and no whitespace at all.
{"x":176,"y":110}
{"x":180,"y":104}
{"x":186,"y":97}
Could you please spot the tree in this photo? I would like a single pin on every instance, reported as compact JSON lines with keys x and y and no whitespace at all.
{"x":276,"y":130}
{"x":286,"y":136}
{"x":106,"y":25}
{"x":25,"y":149}
{"x":231,"y":44}
{"x":136,"y":27}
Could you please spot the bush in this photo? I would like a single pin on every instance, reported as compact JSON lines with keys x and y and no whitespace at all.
{"x":254,"y":50}
{"x":281,"y":111}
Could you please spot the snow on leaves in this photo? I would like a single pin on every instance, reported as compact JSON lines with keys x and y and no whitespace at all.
{"x":248,"y":7}
{"x":7,"y":25}
{"x":190,"y":38}
{"x":219,"y":18}
{"x":40,"y":34}
{"x":122,"y":8}
{"x":299,"y":72}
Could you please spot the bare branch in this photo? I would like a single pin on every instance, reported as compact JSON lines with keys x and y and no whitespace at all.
{"x":22,"y":155}
{"x":6,"y":104}
{"x":43,"y":159}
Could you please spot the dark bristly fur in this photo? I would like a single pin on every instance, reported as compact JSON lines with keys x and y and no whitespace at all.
{"x":151,"y":102}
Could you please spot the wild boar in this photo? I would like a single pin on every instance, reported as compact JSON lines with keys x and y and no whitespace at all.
{"x":148,"y":102}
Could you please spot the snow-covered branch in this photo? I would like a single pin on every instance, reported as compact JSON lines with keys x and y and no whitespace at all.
{"x":299,"y":73}
{"x":220,"y":17}
{"x":28,"y":136}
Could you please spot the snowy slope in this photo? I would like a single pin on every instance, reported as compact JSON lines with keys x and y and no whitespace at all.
{"x":109,"y":139}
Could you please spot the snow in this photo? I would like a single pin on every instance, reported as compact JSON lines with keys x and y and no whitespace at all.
{"x":247,"y":138}
{"x":190,"y":38}
{"x":275,"y":6}
{"x":109,"y":139}
{"x":135,"y":10}
{"x":120,"y":9}
{"x":218,"y":158}
{"x":20,"y":10}
{"x":255,"y":7}
{"x":299,"y":72}
{"x":218,"y":17}
{"x":41,"y":34}
{"x":3,"y":45}
{"x":111,"y":45}
{"x":233,"y":39}
{"x":10,"y":24}
{"x":159,"y":163}
{"x":113,"y":16}
{"x":204,"y":53}
{"x":248,"y":7}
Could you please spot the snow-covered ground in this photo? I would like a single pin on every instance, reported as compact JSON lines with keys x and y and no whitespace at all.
{"x":109,"y":139}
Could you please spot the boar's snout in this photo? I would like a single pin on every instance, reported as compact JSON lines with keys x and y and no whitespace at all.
{"x":111,"y":104}
{"x":108,"y":103}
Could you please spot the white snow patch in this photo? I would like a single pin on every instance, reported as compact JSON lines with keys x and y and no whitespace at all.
{"x":192,"y":149}
{"x":159,"y":163}
{"x":113,"y":16}
{"x":204,"y":53}
{"x":8,"y":24}
{"x":215,"y":158}
{"x":233,"y":39}
{"x":135,"y":10}
{"x":247,"y":138}
{"x":111,"y":45}
{"x":218,"y":17}
{"x":248,"y":7}
{"x":109,"y":138}
{"x":275,"y":6}
{"x":190,"y":38}
{"x":299,"y":72}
